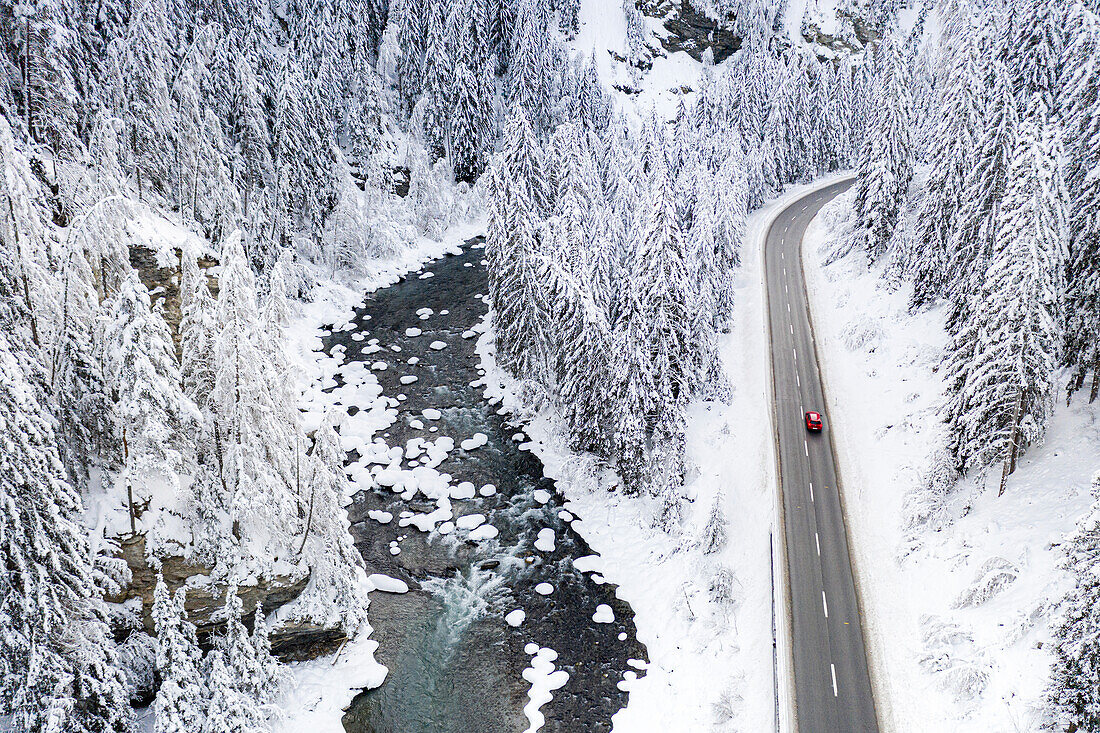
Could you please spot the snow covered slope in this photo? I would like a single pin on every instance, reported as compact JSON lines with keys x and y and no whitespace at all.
{"x":959,"y":605}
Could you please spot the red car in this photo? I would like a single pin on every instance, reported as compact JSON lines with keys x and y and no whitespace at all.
{"x":813,"y":421}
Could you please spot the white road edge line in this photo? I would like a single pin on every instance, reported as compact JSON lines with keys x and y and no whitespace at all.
{"x":825,"y":604}
{"x":833,"y":668}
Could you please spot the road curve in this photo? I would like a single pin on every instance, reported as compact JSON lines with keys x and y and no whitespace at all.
{"x":832,"y":686}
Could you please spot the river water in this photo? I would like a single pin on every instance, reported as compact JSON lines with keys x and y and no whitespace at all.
{"x":455,"y":665}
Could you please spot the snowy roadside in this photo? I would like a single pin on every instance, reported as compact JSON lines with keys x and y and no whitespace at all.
{"x":317,"y":691}
{"x":705,"y":617}
{"x":957,"y":616}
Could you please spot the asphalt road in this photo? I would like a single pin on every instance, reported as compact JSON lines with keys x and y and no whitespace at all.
{"x":832,"y":684}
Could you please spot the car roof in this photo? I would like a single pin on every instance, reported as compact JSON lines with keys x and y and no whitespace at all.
{"x":813,"y":415}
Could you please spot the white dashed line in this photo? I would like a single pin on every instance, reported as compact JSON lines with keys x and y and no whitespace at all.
{"x":797,"y":380}
{"x":785,"y":288}
{"x":833,"y":668}
{"x":795,"y":352}
{"x":811,"y":491}
{"x":791,"y":326}
{"x":807,"y":447}
{"x":817,"y":541}
{"x":825,"y":604}
{"x":788,"y":307}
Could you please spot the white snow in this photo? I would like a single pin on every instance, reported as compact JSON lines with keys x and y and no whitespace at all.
{"x":544,"y":589}
{"x":542,"y":496}
{"x":545,"y":541}
{"x":438,"y":345}
{"x":413,"y":332}
{"x":470,"y":521}
{"x":484,"y":532}
{"x":487,"y":490}
{"x":544,"y":679}
{"x":474,"y":442}
{"x":431,"y":414}
{"x":386,"y":584}
{"x":603,"y":614}
{"x":409,"y":379}
{"x":380,"y":516}
{"x":515,"y":618}
{"x":945,"y":656}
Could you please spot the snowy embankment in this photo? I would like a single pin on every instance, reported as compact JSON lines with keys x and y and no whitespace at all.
{"x":702,"y":602}
{"x":957,"y":612}
{"x":317,"y":691}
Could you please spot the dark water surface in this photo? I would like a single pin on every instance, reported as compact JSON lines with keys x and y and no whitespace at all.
{"x":455,"y":665}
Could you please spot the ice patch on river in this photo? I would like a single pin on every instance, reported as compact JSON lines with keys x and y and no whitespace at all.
{"x":544,"y":679}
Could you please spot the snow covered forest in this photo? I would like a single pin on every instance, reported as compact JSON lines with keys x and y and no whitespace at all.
{"x":977,"y":185}
{"x":176,"y":176}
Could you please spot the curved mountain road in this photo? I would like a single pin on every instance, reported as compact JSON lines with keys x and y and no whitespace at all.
{"x":832,"y":686}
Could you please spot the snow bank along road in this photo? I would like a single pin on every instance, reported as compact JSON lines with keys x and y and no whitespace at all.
{"x":832,"y":685}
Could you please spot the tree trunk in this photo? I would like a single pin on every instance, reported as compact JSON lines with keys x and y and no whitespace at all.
{"x":129,"y":484}
{"x":1010,"y":459}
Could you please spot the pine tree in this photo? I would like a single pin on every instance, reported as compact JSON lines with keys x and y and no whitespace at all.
{"x":145,"y":64}
{"x":953,"y":150}
{"x":227,"y":708}
{"x":885,"y":165}
{"x":196,"y":331}
{"x":335,"y":596}
{"x":1082,"y":140}
{"x":1075,"y":676}
{"x":181,"y":703}
{"x":1002,"y":363}
{"x":55,"y":649}
{"x":141,"y":372}
{"x":974,"y":235}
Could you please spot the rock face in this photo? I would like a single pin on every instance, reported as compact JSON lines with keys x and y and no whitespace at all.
{"x":690,"y":31}
{"x":204,"y":598}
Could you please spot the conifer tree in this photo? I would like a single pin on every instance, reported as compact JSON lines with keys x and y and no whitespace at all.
{"x":953,"y":150}
{"x":1075,"y":676}
{"x":1081,"y":118}
{"x":885,"y":165}
{"x":181,"y":703}
{"x":1002,"y":362}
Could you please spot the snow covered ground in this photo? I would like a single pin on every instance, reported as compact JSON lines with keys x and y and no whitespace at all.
{"x":958,"y":611}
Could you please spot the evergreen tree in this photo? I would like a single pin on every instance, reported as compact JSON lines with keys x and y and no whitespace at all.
{"x":953,"y":150}
{"x":141,"y":372}
{"x":55,"y":649}
{"x":1075,"y":677}
{"x":335,"y":596}
{"x":885,"y":165}
{"x":181,"y":703}
{"x":1002,"y":362}
{"x":1082,"y":141}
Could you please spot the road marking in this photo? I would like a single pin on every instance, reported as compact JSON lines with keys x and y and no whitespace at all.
{"x":785,"y":288}
{"x":797,"y":380}
{"x":791,"y":326}
{"x":825,"y":604}
{"x":784,"y":271}
{"x":811,"y":491}
{"x":817,"y":541}
{"x":788,"y":307}
{"x":833,"y":668}
{"x":807,"y":447}
{"x":795,"y":352}
{"x":782,"y":256}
